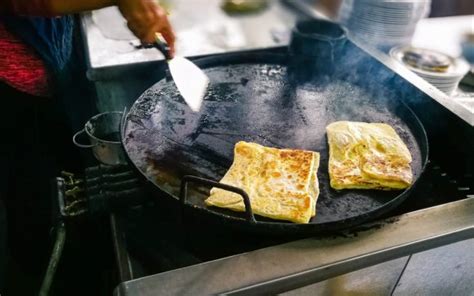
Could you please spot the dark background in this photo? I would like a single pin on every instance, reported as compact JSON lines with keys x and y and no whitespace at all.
{"x":451,"y":7}
{"x":439,"y":8}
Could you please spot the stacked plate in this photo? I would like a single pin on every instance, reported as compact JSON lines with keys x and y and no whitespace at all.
{"x":383,"y":23}
{"x":439,"y":69}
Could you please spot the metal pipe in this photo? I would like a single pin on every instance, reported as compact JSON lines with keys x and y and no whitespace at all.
{"x":123,"y":261}
{"x":54,"y":260}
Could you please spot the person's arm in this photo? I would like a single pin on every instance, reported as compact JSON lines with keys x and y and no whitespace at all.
{"x":144,"y":17}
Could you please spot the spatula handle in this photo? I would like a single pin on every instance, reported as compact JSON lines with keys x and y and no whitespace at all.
{"x":163,"y":47}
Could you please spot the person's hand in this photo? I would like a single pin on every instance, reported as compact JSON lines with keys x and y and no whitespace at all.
{"x":145,"y":18}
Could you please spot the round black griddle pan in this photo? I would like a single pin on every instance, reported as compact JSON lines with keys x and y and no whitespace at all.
{"x":253,"y":98}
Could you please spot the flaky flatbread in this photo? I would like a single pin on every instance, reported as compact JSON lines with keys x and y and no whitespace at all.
{"x":281,"y":183}
{"x":367,"y":156}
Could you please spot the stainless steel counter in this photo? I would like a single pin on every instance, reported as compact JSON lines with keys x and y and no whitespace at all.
{"x":121,"y":72}
{"x":202,"y":28}
{"x":458,"y":106}
{"x":315,"y":259}
{"x":445,"y":34}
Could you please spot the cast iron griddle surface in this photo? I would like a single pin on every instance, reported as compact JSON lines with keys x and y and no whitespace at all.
{"x":256,"y":102}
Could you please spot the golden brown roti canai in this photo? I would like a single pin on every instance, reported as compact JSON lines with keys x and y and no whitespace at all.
{"x":367,"y":156}
{"x":281,"y":183}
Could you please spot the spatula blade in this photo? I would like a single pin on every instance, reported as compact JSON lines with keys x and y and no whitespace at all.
{"x":191,"y":81}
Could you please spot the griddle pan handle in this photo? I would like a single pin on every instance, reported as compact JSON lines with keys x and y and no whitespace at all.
{"x":80,"y":145}
{"x":198,"y":180}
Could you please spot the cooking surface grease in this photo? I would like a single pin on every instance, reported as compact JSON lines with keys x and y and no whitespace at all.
{"x":255,"y":102}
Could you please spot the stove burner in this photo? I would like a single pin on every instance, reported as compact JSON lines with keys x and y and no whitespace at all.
{"x":113,"y":187}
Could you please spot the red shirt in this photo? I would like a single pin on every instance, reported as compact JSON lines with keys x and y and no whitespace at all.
{"x":21,"y":67}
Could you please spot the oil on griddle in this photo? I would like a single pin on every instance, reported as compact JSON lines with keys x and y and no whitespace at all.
{"x":257,"y":103}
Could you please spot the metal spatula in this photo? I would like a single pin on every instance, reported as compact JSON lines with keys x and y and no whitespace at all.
{"x":191,"y":81}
